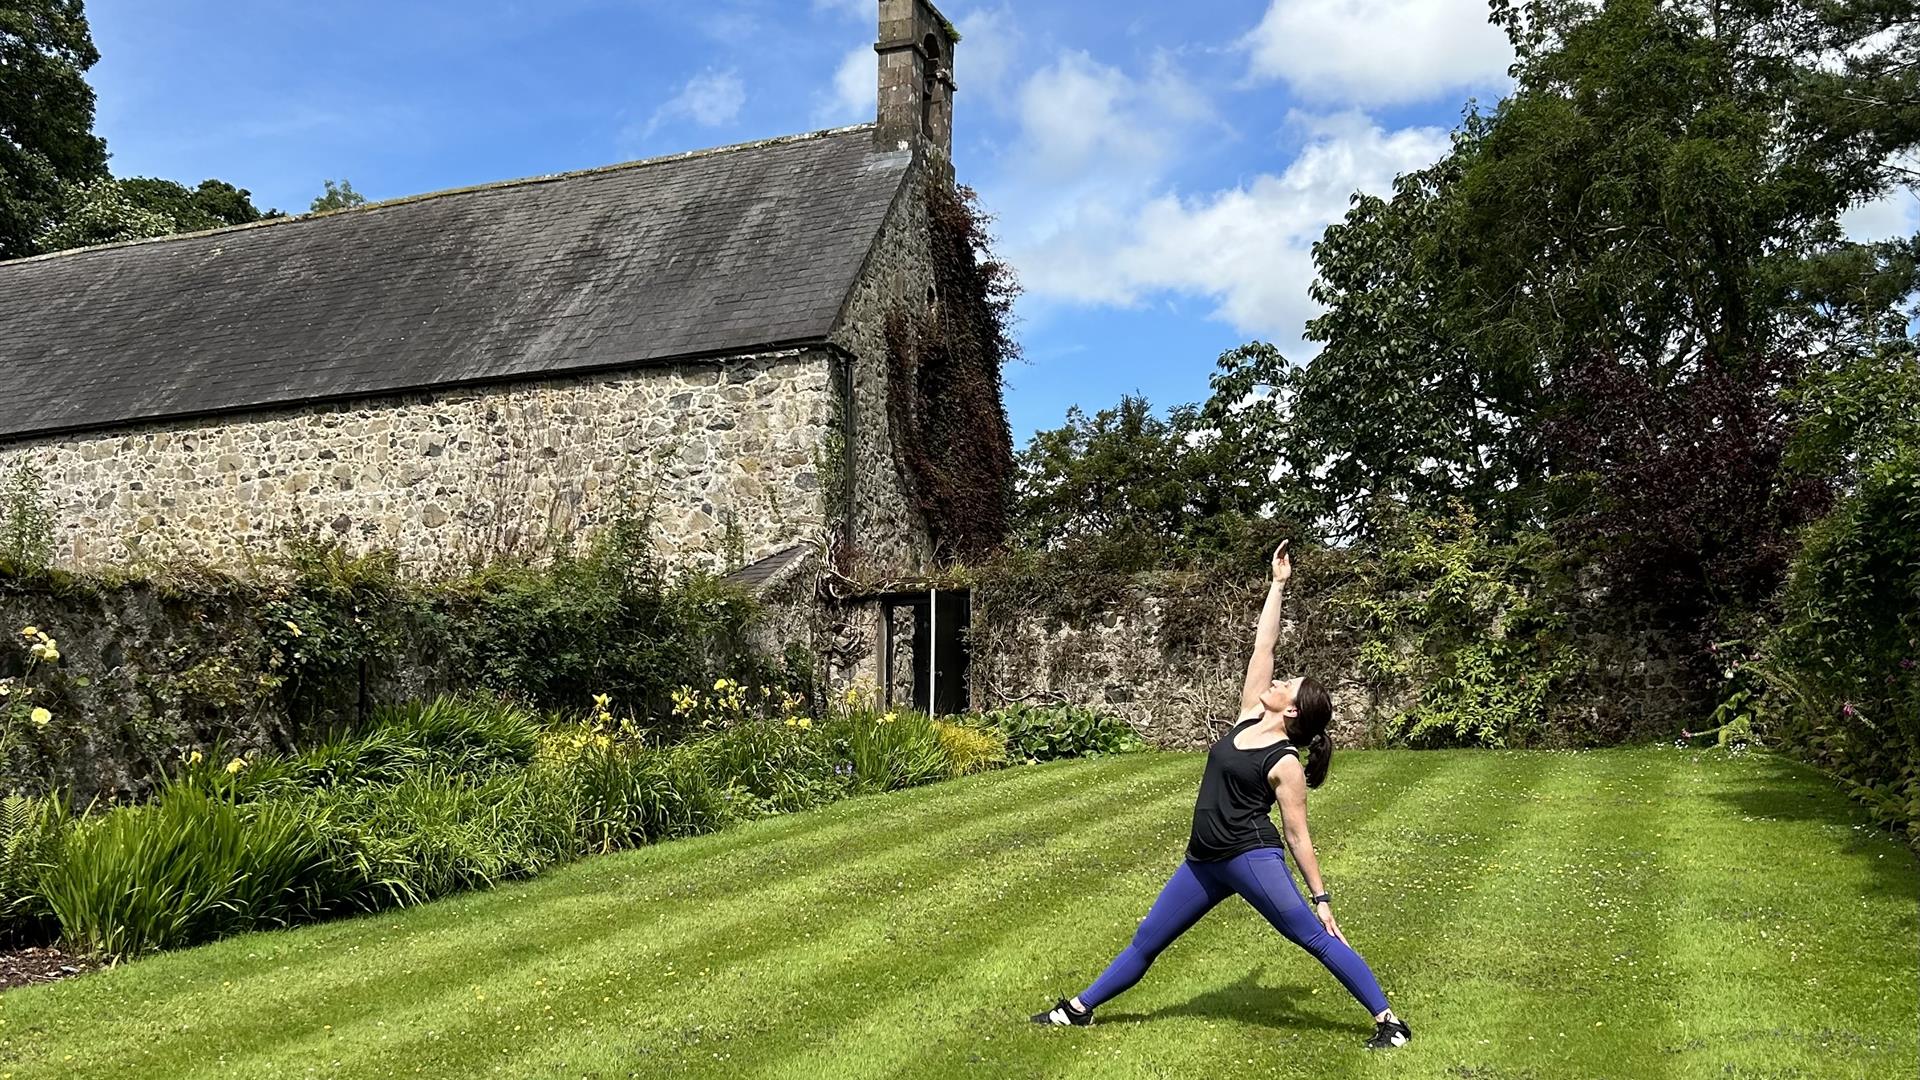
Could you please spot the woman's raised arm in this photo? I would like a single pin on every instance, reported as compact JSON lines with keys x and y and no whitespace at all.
{"x":1260,"y":665}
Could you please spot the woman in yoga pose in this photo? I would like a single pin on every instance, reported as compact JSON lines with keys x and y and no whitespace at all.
{"x":1234,"y":847}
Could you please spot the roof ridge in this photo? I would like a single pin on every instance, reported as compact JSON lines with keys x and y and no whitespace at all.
{"x":405,"y":200}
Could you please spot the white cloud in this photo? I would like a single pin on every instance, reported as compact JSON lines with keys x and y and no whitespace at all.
{"x":709,"y":99}
{"x":1897,"y":213}
{"x":1379,"y":52}
{"x":853,"y":97}
{"x":1246,"y":248}
{"x":1077,"y":111}
{"x":990,"y":41}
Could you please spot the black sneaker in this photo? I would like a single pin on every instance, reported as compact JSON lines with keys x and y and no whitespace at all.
{"x":1388,"y":1034}
{"x":1063,"y":1014}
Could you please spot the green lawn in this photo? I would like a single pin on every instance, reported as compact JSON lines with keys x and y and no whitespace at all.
{"x":1645,"y":913}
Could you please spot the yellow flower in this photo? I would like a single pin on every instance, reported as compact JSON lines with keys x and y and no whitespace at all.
{"x":890,"y":718}
{"x":30,"y":631}
{"x":601,"y":700}
{"x":41,"y":716}
{"x":805,"y":723}
{"x":196,"y":758}
{"x":792,"y":722}
{"x":719,"y":685}
{"x":234,"y":766}
{"x":294,"y":628}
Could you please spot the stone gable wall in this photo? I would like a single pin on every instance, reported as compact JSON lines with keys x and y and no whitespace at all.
{"x":889,"y":534}
{"x":727,"y":453}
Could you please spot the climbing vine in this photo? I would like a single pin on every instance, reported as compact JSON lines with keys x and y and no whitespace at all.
{"x":950,"y":433}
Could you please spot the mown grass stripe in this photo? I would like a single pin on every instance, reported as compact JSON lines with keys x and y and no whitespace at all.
{"x":595,"y":888}
{"x":1571,"y":879}
{"x":1002,"y":984}
{"x":840,"y":953}
{"x":1240,"y":1011}
{"x":1778,"y":952}
{"x":924,"y":959}
{"x":552,"y":947}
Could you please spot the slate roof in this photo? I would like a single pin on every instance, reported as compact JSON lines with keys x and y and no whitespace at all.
{"x":715,"y":252}
{"x":754,"y":576}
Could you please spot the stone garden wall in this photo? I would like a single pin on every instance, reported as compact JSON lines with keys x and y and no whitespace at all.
{"x":727,"y":454}
{"x":1168,"y":652}
{"x":149,"y":670}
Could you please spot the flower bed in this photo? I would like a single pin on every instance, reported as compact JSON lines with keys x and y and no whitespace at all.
{"x":455,"y":794}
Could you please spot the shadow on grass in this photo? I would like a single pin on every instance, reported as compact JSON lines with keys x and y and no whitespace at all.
{"x":1245,"y":1002}
{"x":1791,"y":791}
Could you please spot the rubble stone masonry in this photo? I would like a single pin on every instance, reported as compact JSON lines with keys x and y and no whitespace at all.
{"x":725,"y":453}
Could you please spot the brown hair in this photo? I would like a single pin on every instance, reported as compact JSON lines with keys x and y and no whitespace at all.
{"x":1314,"y":711}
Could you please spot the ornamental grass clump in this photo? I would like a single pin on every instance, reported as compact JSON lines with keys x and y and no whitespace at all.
{"x":772,"y":766}
{"x":470,"y":733}
{"x":889,"y":751}
{"x":971,"y":746}
{"x":185,"y":869}
{"x":622,"y":794}
{"x":436,"y":833}
{"x":467,"y":736}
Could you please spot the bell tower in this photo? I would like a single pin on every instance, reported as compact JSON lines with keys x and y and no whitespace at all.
{"x":916,"y":76}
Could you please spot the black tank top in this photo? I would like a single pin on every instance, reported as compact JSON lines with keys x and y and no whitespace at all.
{"x":1231,"y":816}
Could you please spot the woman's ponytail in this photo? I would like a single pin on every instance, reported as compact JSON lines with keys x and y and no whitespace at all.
{"x":1313,"y":713}
{"x":1319,"y":759}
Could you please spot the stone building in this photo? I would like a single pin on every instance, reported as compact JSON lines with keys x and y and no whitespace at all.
{"x":487,"y":371}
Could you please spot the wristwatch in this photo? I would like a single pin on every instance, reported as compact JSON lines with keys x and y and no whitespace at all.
{"x":1322,"y":898}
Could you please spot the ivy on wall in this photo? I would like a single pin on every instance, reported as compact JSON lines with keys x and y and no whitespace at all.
{"x":944,"y":403}
{"x":147,"y":669}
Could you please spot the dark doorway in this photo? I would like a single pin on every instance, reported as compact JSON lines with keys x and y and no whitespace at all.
{"x":935,"y":640}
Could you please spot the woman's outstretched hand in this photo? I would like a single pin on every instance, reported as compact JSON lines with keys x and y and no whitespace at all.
{"x":1325,"y":914}
{"x":1282,"y":564}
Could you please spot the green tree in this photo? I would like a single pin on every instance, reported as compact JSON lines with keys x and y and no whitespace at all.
{"x":340,"y":197}
{"x":1591,"y":311}
{"x":107,"y":211}
{"x":215,"y":203}
{"x":46,"y":115}
{"x":1654,"y":203}
{"x":1135,"y":490}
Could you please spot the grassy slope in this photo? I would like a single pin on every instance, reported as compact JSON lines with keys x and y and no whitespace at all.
{"x":1648,"y":913}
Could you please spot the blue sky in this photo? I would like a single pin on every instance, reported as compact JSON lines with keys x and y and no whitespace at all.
{"x":1159,"y":170}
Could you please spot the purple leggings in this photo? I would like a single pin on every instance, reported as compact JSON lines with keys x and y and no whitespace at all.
{"x":1261,"y":877}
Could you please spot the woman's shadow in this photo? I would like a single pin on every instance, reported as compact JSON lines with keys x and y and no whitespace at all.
{"x":1245,"y":1002}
